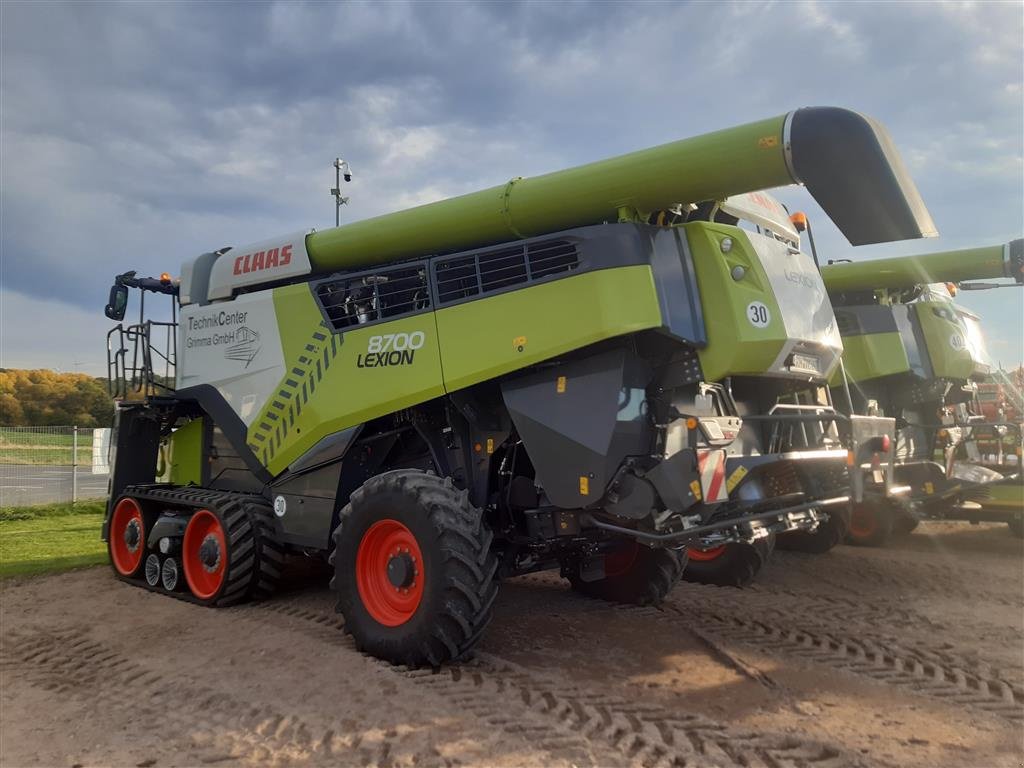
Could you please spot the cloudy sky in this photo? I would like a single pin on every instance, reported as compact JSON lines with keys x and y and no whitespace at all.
{"x":134,"y":136}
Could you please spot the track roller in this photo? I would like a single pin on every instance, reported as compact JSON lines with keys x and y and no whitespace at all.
{"x":153,"y":569}
{"x":170,"y":575}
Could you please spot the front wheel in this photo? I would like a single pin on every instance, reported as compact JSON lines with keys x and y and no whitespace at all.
{"x":871,"y":524}
{"x":905,"y":522}
{"x":635,"y":574}
{"x":413,"y":569}
{"x":728,"y":565}
{"x":824,"y":538}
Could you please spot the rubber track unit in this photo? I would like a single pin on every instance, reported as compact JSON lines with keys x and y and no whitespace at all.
{"x":581,"y":725}
{"x":257,"y":556}
{"x":466,"y":562}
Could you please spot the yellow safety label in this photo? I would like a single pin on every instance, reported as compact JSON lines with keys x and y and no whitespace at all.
{"x":584,"y":486}
{"x":695,"y":489}
{"x":519,"y":342}
{"x":929,"y":488}
{"x":734,"y":479}
{"x":767,"y":142}
{"x":490,"y":445}
{"x":560,"y":385}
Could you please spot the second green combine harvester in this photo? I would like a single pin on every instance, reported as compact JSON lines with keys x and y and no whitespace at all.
{"x":913,"y":353}
{"x":576,"y":371}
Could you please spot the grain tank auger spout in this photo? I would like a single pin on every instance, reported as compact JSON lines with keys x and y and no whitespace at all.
{"x":993,"y":262}
{"x":588,"y":370}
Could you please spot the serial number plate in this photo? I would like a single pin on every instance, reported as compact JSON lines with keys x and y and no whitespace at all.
{"x":805,"y":363}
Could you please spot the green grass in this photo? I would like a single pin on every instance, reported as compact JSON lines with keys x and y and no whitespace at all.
{"x":50,"y":538}
{"x":17,"y":447}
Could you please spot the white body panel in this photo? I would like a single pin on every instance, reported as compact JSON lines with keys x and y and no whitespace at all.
{"x":262,"y":262}
{"x":765,"y":211}
{"x":234,"y":347}
{"x":804,"y":305}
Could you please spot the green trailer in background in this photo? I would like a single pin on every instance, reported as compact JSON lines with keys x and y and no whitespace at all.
{"x":585,"y":371}
{"x":912,"y":353}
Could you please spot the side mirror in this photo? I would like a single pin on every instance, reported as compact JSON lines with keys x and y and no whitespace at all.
{"x":117,"y":302}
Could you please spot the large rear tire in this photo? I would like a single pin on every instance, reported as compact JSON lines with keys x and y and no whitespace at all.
{"x":413,"y":569}
{"x":728,"y":565}
{"x":635,"y":574}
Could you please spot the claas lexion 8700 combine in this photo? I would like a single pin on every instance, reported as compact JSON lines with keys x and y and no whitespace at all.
{"x":911,"y":352}
{"x":590,"y":370}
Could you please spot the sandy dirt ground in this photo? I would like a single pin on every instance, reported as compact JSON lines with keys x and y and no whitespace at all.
{"x":908,"y":656}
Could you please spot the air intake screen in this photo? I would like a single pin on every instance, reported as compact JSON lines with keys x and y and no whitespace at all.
{"x":461,"y":277}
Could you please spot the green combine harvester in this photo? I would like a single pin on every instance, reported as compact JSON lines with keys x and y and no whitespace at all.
{"x":984,"y":460}
{"x":585,"y":371}
{"x":913,"y":354}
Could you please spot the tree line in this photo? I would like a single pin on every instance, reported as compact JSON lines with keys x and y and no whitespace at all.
{"x":39,"y":398}
{"x":47,"y":398}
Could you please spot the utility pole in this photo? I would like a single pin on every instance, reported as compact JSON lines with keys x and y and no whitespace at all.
{"x":341,"y":170}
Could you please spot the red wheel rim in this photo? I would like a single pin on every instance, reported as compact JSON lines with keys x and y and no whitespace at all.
{"x":204,"y":553}
{"x":127,"y":537}
{"x":862,"y":521}
{"x":620,"y":561}
{"x":390,"y":573}
{"x":704,"y":555}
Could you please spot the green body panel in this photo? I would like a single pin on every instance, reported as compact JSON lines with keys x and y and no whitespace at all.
{"x":484,"y":339}
{"x":184,"y":454}
{"x":945,"y":337}
{"x":1004,"y":496}
{"x":949,"y":347}
{"x":872,"y":355}
{"x":329,"y":387}
{"x":708,"y":167}
{"x":907,"y":271}
{"x":735,"y":347}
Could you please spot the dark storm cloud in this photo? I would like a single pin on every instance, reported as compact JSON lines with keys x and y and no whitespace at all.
{"x":136,"y":135}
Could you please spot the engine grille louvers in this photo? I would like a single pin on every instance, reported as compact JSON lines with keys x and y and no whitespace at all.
{"x":388,"y":293}
{"x":462,"y":277}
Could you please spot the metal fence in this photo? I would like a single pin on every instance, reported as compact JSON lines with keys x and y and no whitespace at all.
{"x":51,"y":465}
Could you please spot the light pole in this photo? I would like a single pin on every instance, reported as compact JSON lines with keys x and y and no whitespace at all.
{"x":341,"y":170}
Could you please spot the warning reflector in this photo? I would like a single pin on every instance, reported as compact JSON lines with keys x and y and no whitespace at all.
{"x":712,"y":476}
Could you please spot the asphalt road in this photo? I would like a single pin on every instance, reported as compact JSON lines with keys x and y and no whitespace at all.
{"x":24,"y":484}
